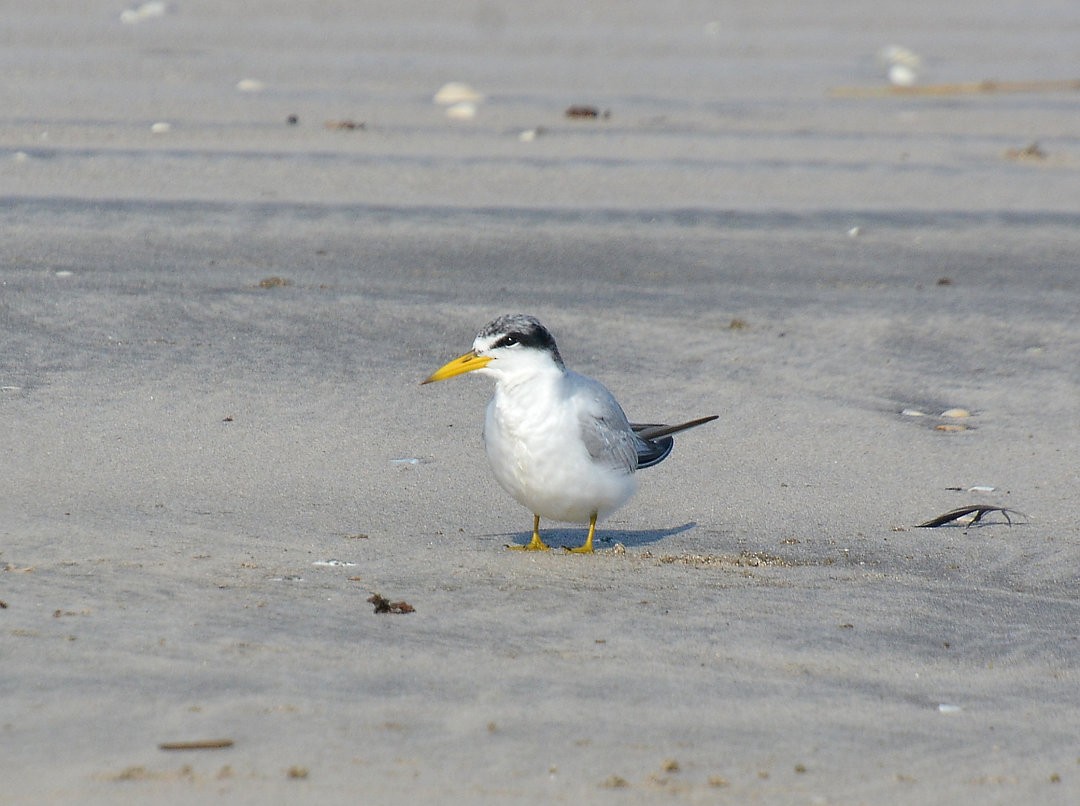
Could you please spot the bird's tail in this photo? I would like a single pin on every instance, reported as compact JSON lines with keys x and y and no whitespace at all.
{"x":650,"y":431}
{"x":656,"y":442}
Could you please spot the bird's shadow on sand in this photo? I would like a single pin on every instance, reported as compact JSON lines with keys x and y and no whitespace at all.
{"x":604,"y":539}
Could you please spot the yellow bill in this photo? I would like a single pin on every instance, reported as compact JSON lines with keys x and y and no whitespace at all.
{"x":459,"y":366}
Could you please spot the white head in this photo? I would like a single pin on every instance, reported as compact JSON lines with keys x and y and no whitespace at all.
{"x":514,"y":345}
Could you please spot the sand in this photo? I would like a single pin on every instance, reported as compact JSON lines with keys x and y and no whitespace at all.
{"x":216,"y":447}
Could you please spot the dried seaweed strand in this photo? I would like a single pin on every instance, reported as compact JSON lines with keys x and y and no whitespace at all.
{"x":199,"y":744}
{"x":963,"y":88}
{"x":384,"y":605}
{"x":979,"y":510}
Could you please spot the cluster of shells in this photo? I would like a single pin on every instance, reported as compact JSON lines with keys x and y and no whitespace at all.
{"x":460,"y":100}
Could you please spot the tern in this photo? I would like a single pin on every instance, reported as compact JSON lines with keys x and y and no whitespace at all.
{"x":557,"y":441}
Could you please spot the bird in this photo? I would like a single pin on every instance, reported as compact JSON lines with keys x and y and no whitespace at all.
{"x":557,"y":441}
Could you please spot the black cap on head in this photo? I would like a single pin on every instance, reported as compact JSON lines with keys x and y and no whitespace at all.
{"x":520,"y":328}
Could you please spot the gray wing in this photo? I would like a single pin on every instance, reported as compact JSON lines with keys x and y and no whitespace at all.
{"x":610,"y":445}
{"x":604,"y":427}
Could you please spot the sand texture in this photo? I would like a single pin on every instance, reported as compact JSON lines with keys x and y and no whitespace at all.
{"x":215,"y":447}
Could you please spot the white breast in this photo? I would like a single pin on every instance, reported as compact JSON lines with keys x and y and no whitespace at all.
{"x":533,"y":441}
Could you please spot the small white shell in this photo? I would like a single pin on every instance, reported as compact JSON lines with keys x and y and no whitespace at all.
{"x":144,"y":11}
{"x":956,"y":414}
{"x":901,"y":64}
{"x":250,"y":85}
{"x":456,"y":92}
{"x":466,"y":110}
{"x":900,"y":75}
{"x":161,"y":127}
{"x":898,"y":54}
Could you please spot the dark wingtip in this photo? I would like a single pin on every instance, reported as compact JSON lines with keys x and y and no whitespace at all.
{"x":654,"y":452}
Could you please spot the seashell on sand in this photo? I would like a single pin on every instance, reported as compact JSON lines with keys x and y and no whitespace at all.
{"x":465,"y":110}
{"x":956,"y":414}
{"x":456,"y":92}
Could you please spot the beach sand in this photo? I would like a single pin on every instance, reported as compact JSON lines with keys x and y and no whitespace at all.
{"x":216,"y":447}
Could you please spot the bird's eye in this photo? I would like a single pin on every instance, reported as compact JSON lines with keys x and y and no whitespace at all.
{"x":509,"y":340}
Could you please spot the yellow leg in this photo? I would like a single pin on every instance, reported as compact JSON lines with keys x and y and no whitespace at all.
{"x":536,"y":544}
{"x":587,"y":548}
